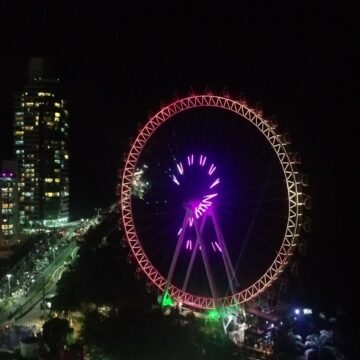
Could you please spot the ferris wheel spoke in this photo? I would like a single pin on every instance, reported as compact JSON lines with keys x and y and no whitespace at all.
{"x":193,"y":256}
{"x":204,"y":255}
{"x":229,"y":268}
{"x":177,"y":251}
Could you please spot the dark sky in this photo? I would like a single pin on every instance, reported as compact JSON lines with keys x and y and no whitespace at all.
{"x":297,"y":59}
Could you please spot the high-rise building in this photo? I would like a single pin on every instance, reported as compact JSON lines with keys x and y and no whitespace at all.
{"x":41,"y":134}
{"x":9,"y":215}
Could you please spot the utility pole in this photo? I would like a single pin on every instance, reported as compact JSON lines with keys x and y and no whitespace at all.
{"x":43,"y":297}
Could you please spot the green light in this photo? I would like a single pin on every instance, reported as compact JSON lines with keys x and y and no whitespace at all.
{"x":213,"y":315}
{"x":139,"y":184}
{"x":166,"y":300}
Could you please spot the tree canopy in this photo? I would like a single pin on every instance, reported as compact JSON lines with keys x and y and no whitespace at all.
{"x":132,"y":328}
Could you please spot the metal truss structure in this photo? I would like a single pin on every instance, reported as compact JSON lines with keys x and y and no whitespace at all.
{"x":296,"y":199}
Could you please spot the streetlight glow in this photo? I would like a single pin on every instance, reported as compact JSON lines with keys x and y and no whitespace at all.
{"x":9,"y":277}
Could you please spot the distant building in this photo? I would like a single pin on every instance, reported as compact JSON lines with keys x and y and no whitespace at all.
{"x":9,"y":213}
{"x":41,"y":133}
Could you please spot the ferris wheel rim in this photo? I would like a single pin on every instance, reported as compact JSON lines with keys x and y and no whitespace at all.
{"x":288,"y":166}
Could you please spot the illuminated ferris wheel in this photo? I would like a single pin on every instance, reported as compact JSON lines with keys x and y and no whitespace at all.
{"x":221,"y":212}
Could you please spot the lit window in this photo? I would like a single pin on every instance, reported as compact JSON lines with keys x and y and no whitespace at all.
{"x":52,"y":194}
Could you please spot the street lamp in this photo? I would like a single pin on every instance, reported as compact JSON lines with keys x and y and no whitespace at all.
{"x":53,"y":251}
{"x":9,"y":277}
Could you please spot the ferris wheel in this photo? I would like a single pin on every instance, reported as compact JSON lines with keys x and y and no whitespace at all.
{"x":219,"y":210}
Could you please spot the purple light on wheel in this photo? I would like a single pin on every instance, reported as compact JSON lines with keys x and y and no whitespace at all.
{"x":180,"y":168}
{"x":217,"y":181}
{"x":190,"y":159}
{"x":204,"y":204}
{"x":218,"y":246}
{"x":202,"y":160}
{"x":175,"y":180}
{"x":197,"y":206}
{"x":189,"y":245}
{"x":212,"y":169}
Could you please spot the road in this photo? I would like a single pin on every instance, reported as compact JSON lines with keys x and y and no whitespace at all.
{"x":46,"y":283}
{"x":42,"y":284}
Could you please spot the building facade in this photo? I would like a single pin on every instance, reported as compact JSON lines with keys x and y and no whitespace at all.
{"x":41,"y":133}
{"x":9,"y":215}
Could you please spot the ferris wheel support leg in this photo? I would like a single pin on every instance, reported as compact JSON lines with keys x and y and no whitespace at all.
{"x":193,"y":256}
{"x":176,"y":253}
{"x":231,"y":274}
{"x":207,"y":264}
{"x":191,"y":264}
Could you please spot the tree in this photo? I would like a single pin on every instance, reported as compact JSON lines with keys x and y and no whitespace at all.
{"x":56,"y":333}
{"x":131,"y":329}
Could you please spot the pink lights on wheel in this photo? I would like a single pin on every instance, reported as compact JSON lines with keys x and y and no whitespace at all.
{"x":217,"y":181}
{"x":190,"y":162}
{"x":218,"y":246}
{"x":175,"y":180}
{"x":202,"y":160}
{"x":204,"y":204}
{"x":215,"y":246}
{"x":191,"y":221}
{"x":190,"y":159}
{"x":180,"y":168}
{"x":189,"y":245}
{"x":212,"y":169}
{"x":197,"y":206}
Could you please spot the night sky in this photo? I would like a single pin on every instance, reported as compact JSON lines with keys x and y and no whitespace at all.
{"x":117,"y":64}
